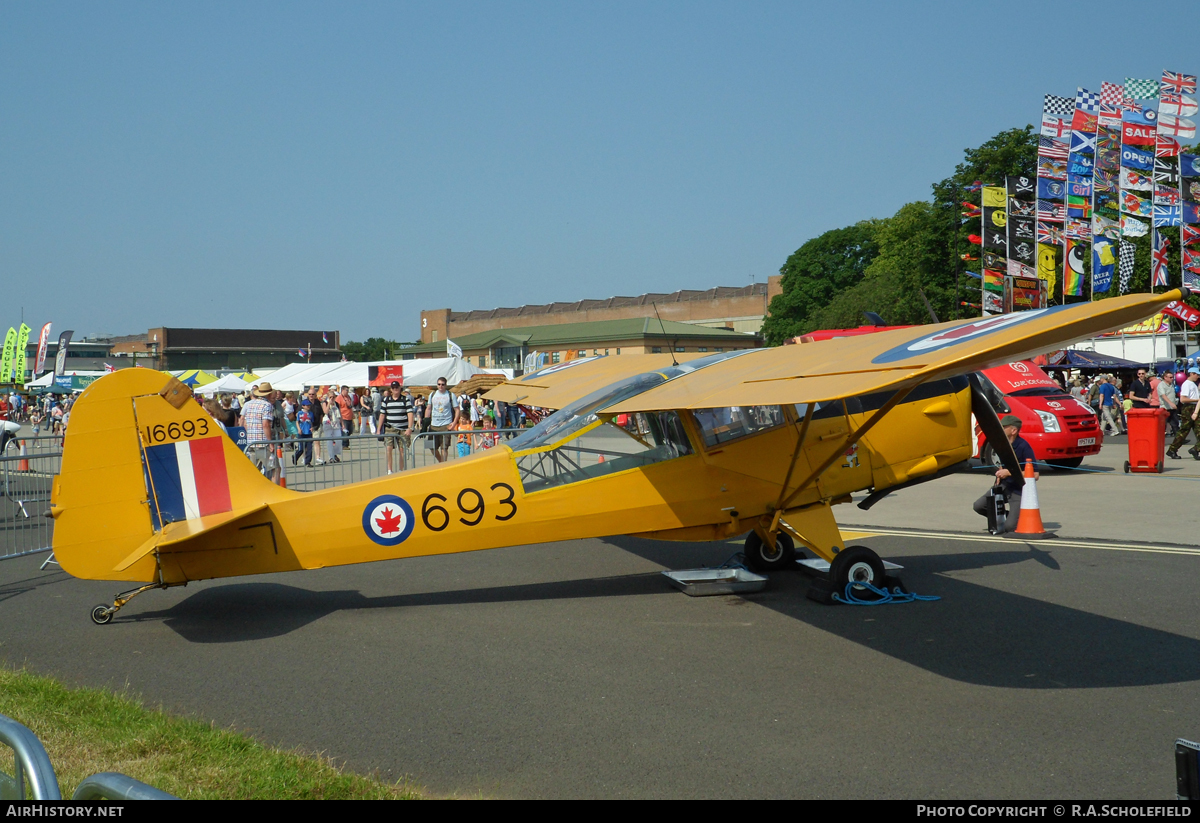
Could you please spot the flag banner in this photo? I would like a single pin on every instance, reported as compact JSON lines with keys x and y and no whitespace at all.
{"x":1166,"y":146}
{"x":1191,"y":213}
{"x":1052,"y":169}
{"x":1144,"y":115}
{"x":974,"y":238}
{"x":1191,"y":279}
{"x":993,"y":280}
{"x":1191,"y":189}
{"x":1022,"y":187}
{"x":19,"y":354}
{"x":1057,"y":127}
{"x":994,"y":219}
{"x":1190,"y":236}
{"x":43,"y":340}
{"x":1179,"y":105}
{"x":1165,"y":172}
{"x":1048,"y":266}
{"x":1173,"y":126}
{"x":1189,"y":165}
{"x":992,"y":260}
{"x":1132,"y":227}
{"x":1023,"y":228}
{"x":1183,"y":311}
{"x":994,"y":197}
{"x":1106,"y":180}
{"x":1126,"y":254}
{"x":1111,"y":94}
{"x":1058,"y":149}
{"x":1132,"y":204}
{"x":1136,"y":180}
{"x":1049,"y":210}
{"x":1107,"y":200}
{"x":1107,"y":160}
{"x":1086,"y":101}
{"x":1140,"y":89}
{"x":1081,"y":164}
{"x":6,"y":360}
{"x":1016,"y":269}
{"x":1106,"y":226}
{"x":1051,"y":189}
{"x":1023,"y":251}
{"x":1078,"y":229}
{"x":1166,"y":196}
{"x":1108,"y":116}
{"x":1084,"y":123}
{"x":1079,"y":185}
{"x":1057,"y":106}
{"x":1079,"y":207}
{"x":996,"y":239}
{"x":452,"y":349}
{"x":1049,"y":234}
{"x":1173,"y":83}
{"x":1132,"y":158}
{"x":1167,"y":216}
{"x":1133,"y":134}
{"x":1104,"y":263}
{"x":60,"y":359}
{"x":1073,"y":273}
{"x":1109,"y":138}
{"x":1191,"y":259}
{"x":1159,"y":266}
{"x":1021,"y":208}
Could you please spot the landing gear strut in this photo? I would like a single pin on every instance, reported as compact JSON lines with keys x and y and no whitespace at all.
{"x":104,"y":614}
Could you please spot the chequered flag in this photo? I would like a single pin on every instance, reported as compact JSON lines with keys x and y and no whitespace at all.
{"x":1086,"y":100}
{"x":1126,"y":257}
{"x":1111,"y":94}
{"x":1057,"y":106}
{"x":1178,"y":83}
{"x":1141,"y":89}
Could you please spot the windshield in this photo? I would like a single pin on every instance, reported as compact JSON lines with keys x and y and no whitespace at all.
{"x":1038,"y":391}
{"x":578,"y":415}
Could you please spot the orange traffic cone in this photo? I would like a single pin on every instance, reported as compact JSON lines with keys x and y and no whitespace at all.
{"x":23,"y":465}
{"x":282,"y":472}
{"x":601,"y":459}
{"x":1029,"y":526}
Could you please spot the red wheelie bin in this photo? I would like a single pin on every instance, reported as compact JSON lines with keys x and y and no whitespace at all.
{"x":1147,"y":439}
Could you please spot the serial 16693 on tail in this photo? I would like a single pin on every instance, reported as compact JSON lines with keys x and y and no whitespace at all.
{"x":761,"y":442}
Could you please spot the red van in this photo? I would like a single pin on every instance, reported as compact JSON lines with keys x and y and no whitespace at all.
{"x":1061,"y":430}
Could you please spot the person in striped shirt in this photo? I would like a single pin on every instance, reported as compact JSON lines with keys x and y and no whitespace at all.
{"x":395,"y":423}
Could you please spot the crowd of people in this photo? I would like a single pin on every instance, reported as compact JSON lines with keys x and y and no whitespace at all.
{"x":47,"y":413}
{"x":1174,"y":391}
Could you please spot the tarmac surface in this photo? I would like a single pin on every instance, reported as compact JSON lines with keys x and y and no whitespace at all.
{"x":1051,"y":669}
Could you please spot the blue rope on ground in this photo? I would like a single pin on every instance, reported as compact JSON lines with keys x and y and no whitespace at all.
{"x":894,"y":596}
{"x":1041,"y":464}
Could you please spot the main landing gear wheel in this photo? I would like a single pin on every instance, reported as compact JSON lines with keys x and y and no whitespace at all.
{"x":857,"y":564}
{"x":102,"y":614}
{"x":760,"y":557}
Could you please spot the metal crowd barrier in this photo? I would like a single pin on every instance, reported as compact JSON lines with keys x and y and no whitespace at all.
{"x":32,"y":766}
{"x":25,"y":482}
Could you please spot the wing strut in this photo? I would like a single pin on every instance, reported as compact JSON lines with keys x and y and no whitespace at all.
{"x":808,"y":414}
{"x":850,"y":440}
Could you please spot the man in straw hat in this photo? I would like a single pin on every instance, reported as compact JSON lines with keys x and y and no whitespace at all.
{"x":258,"y":416}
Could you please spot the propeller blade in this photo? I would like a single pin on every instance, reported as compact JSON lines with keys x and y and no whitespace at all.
{"x":989,"y":421}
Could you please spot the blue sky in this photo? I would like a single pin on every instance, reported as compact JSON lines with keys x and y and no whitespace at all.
{"x":332,"y":165}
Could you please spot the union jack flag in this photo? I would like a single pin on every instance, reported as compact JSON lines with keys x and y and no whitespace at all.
{"x":1178,"y":83}
{"x":1049,"y":234}
{"x":1158,"y":260}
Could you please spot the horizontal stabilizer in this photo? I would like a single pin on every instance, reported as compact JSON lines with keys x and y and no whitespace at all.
{"x":183,"y":531}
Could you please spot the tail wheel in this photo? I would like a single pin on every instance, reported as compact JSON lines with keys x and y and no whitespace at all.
{"x":102,"y":614}
{"x":857,"y":565}
{"x":760,"y":557}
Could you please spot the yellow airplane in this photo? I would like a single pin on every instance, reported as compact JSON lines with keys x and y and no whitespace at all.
{"x":762,"y":442}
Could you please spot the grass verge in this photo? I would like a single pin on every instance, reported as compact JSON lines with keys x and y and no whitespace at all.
{"x":86,"y":731}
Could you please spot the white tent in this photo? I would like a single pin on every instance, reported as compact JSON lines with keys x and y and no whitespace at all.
{"x":296,"y":376}
{"x":47,"y":379}
{"x":229,"y":384}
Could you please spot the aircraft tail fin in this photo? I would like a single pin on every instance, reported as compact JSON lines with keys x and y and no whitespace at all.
{"x":145,"y":460}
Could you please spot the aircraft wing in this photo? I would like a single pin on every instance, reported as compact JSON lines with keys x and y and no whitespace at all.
{"x":845,"y":367}
{"x":559,"y":385}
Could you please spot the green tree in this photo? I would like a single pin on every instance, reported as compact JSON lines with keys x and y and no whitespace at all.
{"x":815,"y":273}
{"x":375,"y":348}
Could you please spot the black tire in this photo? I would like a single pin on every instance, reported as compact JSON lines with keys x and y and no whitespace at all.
{"x":857,"y":564}
{"x":1127,"y":467}
{"x":1067,"y":463}
{"x":101,"y":615}
{"x":821,"y":591}
{"x":988,"y":457}
{"x":760,"y":558}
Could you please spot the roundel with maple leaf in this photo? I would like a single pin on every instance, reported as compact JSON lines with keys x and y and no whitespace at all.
{"x":388,"y":520}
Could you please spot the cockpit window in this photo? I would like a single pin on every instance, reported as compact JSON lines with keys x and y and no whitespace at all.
{"x":723,"y":425}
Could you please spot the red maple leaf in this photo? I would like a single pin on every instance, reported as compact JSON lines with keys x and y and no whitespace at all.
{"x":388,"y":524}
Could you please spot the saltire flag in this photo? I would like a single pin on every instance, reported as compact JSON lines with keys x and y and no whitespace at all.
{"x":1078,"y":230}
{"x":1079,"y":207}
{"x":1132,"y":227}
{"x":1050,"y":147}
{"x":1049,"y":234}
{"x":1132,"y":158}
{"x":1056,"y":126}
{"x":1135,"y":134}
{"x":1051,"y":189}
{"x":1166,"y":196}
{"x":1167,"y":215}
{"x":1022,"y":187}
{"x":1191,"y":259}
{"x":1136,"y":180}
{"x":1141,"y":89}
{"x":1052,"y":169}
{"x":1179,"y":105}
{"x":1104,"y":263}
{"x":1190,"y":236}
{"x":1083,"y":143}
{"x":187,"y":479}
{"x":994,"y":197}
{"x":1021,"y":208}
{"x":1189,"y":165}
{"x":1166,"y":145}
{"x":1141,"y":115}
{"x":1073,"y":273}
{"x":1047,"y":268}
{"x":109,"y":368}
{"x":1159,"y":265}
{"x":1173,"y":126}
{"x":1191,"y":213}
{"x":1165,"y":172}
{"x":1173,"y":83}
{"x":1057,"y":106}
{"x":1132,"y":204}
{"x":1022,"y":251}
{"x":1126,"y":254}
{"x":1049,"y":210}
{"x":1081,"y":164}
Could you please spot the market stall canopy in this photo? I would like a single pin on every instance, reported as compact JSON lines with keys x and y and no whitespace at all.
{"x":229,"y":384}
{"x":196,"y":377}
{"x":1076,"y":359}
{"x":297,"y":376}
